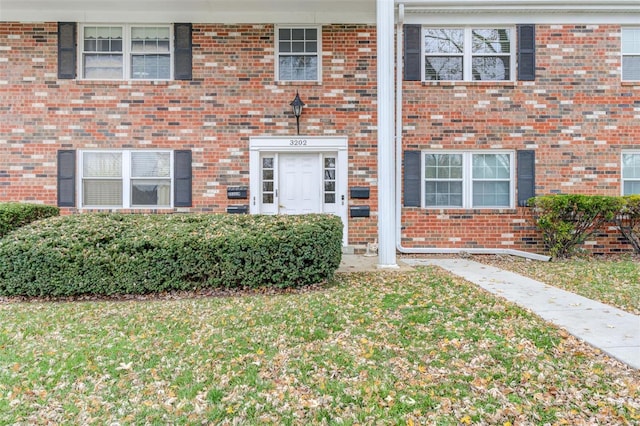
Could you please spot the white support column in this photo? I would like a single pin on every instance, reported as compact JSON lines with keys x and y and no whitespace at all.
{"x":386,"y":145}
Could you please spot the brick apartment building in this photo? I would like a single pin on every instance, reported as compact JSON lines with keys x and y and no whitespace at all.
{"x":426,"y":124}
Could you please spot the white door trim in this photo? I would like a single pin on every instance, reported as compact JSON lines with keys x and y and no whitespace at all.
{"x":302,"y":144}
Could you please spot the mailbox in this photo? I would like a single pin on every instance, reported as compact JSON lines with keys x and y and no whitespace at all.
{"x":237,"y":192}
{"x":359,"y":192}
{"x":360,"y":211}
{"x":238,"y":209}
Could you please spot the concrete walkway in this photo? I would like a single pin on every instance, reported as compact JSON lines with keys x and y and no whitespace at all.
{"x":612,"y":330}
{"x":609,"y":329}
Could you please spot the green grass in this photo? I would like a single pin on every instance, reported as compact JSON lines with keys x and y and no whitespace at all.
{"x":614,"y":281}
{"x":371,"y":348}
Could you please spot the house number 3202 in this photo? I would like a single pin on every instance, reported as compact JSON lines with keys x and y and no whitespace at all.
{"x":298,"y":142}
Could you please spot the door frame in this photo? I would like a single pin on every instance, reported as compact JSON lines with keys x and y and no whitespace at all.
{"x":302,"y":144}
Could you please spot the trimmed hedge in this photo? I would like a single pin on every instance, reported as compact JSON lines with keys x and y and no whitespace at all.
{"x":106,"y":254}
{"x":15,"y":215}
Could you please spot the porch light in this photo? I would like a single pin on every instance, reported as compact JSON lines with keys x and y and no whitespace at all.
{"x":297,"y":105}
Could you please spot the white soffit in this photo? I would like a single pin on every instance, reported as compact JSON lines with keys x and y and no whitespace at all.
{"x":467,"y":12}
{"x":196,"y":11}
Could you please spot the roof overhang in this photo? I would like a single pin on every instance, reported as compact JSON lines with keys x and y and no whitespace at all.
{"x":461,"y":12}
{"x":196,"y":11}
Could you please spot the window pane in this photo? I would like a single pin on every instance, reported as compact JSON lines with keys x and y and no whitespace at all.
{"x":443,"y":194}
{"x":491,"y":166}
{"x":630,"y":40}
{"x":330,"y":186}
{"x":491,"y":41}
{"x":631,"y":166}
{"x":491,"y":194}
{"x":444,"y":40}
{"x":311,"y":34}
{"x":98,"y":66}
{"x":330,"y":198}
{"x":150,"y":193}
{"x":491,"y":68}
{"x":267,"y":174}
{"x":150,"y":67}
{"x":631,"y":187}
{"x":102,"y":164}
{"x":443,"y":166}
{"x":150,"y":164}
{"x":267,"y":163}
{"x":102,"y":193}
{"x":330,"y":162}
{"x":631,"y":68}
{"x":443,"y":68}
{"x":267,"y":198}
{"x":267,"y":186}
{"x":284,"y":34}
{"x":298,"y":68}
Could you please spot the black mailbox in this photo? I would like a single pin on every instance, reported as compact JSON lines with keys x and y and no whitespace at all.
{"x":359,"y":192}
{"x":237,"y":192}
{"x":238,"y":209}
{"x":360,"y":211}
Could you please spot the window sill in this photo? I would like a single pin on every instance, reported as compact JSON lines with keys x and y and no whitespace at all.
{"x":127,"y":83}
{"x":503,"y":84}
{"x":298,"y":83}
{"x":471,"y":211}
{"x":630,"y":83}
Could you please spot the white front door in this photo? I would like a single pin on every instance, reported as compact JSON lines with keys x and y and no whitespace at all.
{"x":300,"y":183}
{"x":299,"y":176}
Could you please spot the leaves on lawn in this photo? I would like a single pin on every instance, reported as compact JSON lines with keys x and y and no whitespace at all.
{"x":371,"y":348}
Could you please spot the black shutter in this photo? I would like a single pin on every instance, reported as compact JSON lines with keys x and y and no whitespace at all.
{"x":526,"y":52}
{"x":182,"y":178}
{"x":182,"y":67}
{"x":526,"y":176}
{"x":412,"y":60}
{"x":67,"y":178}
{"x":412,"y":178}
{"x":66,"y":50}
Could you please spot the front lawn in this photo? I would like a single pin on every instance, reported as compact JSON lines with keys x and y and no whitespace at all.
{"x":614,"y":281}
{"x":371,"y":348}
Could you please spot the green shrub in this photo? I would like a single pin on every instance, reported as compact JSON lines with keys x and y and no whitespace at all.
{"x":566,"y":221}
{"x":134,"y":254}
{"x":628,"y":220}
{"x":15,"y":215}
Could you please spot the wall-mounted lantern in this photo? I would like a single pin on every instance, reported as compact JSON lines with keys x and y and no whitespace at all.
{"x":296,"y":106}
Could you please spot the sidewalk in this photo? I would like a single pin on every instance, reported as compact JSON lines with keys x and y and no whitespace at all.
{"x":612,"y":330}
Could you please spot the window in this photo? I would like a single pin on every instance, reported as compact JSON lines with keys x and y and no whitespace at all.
{"x":631,"y":54}
{"x":468,"y":54}
{"x":630,"y":173}
{"x":298,"y":54}
{"x":122,"y":52}
{"x":126,"y":179}
{"x":468,"y":179}
{"x":329,"y":180}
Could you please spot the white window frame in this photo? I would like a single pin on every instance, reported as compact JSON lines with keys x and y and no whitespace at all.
{"x":126,"y":51}
{"x":317,"y":54}
{"x":126,"y":178}
{"x":624,"y":54}
{"x":622,"y":178}
{"x":468,"y":55}
{"x":467,"y":178}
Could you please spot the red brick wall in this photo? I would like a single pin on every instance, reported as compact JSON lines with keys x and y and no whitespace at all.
{"x":233,"y":95}
{"x":577,"y":116}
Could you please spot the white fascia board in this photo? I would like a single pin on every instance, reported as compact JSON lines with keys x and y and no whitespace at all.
{"x":196,"y":11}
{"x":504,"y":12}
{"x":529,"y":17}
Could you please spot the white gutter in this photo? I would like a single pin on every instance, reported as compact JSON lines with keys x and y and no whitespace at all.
{"x":398,"y":203}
